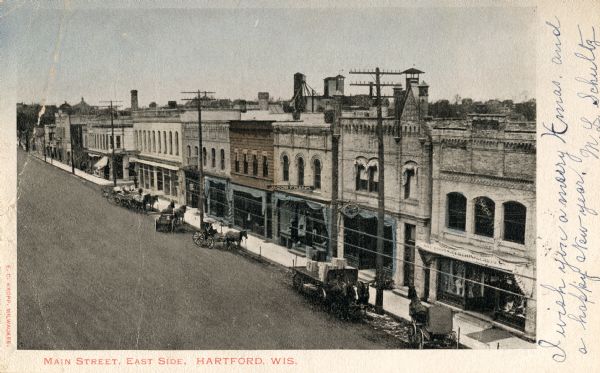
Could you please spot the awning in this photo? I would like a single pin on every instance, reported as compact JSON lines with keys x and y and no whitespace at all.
{"x":155,"y":164}
{"x":101,"y":163}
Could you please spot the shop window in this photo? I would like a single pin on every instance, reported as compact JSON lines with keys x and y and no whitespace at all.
{"x":254,"y":165}
{"x":286,"y":168}
{"x":300,"y":171}
{"x":222,"y":159}
{"x":204,"y":157}
{"x":409,"y":180}
{"x":452,"y":278}
{"x":484,"y":216}
{"x":361,"y":181}
{"x":515,"y":215}
{"x":213,"y":157}
{"x":457,"y":211}
{"x":373,"y":182}
{"x":265,"y":166}
{"x":159,"y":179}
{"x":167,"y":186}
{"x":175,"y":183}
{"x":317,"y":174}
{"x":246,"y":163}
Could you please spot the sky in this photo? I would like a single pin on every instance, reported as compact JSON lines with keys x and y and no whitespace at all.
{"x":65,"y":51}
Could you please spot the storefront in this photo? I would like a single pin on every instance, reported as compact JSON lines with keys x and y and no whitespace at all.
{"x":497,"y":290}
{"x":302,"y":223}
{"x":251,"y":209}
{"x":215,"y":190}
{"x":159,"y":179}
{"x":360,"y":239}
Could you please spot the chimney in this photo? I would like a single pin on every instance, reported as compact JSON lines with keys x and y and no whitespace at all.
{"x":263,"y":100}
{"x":134,"y":99}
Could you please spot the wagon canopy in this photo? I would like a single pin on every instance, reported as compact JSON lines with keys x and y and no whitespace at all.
{"x":101,"y":163}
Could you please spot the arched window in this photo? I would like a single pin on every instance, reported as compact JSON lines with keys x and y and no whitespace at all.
{"x":135,"y":139}
{"x":154,"y":141}
{"x":265,"y":166}
{"x":245,"y":163}
{"x":373,"y":179}
{"x":515,"y":216}
{"x":195,"y":151}
{"x":222,"y":159}
{"x":300,"y":171}
{"x":170,"y":142}
{"x":254,"y":165}
{"x":189,"y":151}
{"x":213,"y":158}
{"x":361,"y":184}
{"x":176,"y":143}
{"x":317,"y":174}
{"x":159,"y":142}
{"x":457,"y":211}
{"x":204,"y":157}
{"x":145,"y":141}
{"x":237,"y":163}
{"x":165,"y":142}
{"x":286,"y":168}
{"x":484,"y":216}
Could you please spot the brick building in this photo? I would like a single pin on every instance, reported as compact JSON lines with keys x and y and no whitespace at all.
{"x":251,"y":162}
{"x":481,"y":253}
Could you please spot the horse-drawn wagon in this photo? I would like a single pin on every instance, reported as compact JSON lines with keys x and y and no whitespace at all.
{"x":431,"y":326}
{"x":333,"y":284}
{"x":208,"y":236}
{"x":170,"y":219}
{"x":130,"y":198}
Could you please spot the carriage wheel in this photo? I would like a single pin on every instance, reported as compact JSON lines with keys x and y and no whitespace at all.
{"x":209,"y":242}
{"x":415,"y":337}
{"x":198,"y":238}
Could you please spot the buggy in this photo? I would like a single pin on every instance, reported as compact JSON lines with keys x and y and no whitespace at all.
{"x":432,"y":327}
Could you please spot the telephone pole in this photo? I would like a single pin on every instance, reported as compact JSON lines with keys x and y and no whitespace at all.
{"x":379,"y":275}
{"x":199,"y":95}
{"x":112,"y":140}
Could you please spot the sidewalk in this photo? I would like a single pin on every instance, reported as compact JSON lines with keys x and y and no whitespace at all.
{"x":78,"y":172}
{"x":474,"y":333}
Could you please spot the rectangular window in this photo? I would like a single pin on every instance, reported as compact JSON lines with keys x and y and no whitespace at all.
{"x":408,"y":181}
{"x":118,"y":142}
{"x":237,"y":163}
{"x":159,"y":178}
{"x":245,"y":163}
{"x":265,"y":165}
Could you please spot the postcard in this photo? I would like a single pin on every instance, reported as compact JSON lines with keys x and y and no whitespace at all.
{"x":268,"y":186}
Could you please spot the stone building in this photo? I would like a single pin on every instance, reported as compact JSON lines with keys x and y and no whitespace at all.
{"x":302,"y":196}
{"x":407,"y":152}
{"x":481,"y":253}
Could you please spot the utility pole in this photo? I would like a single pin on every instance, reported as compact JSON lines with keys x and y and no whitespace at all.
{"x":112,"y":140}
{"x":335,"y":141}
{"x":45,"y":144}
{"x":379,"y":275}
{"x":199,"y":97}
{"x":71,"y":143}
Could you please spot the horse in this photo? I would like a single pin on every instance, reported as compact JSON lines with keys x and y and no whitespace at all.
{"x":362,"y":288}
{"x":233,"y":237}
{"x":180,"y":213}
{"x":149,"y":200}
